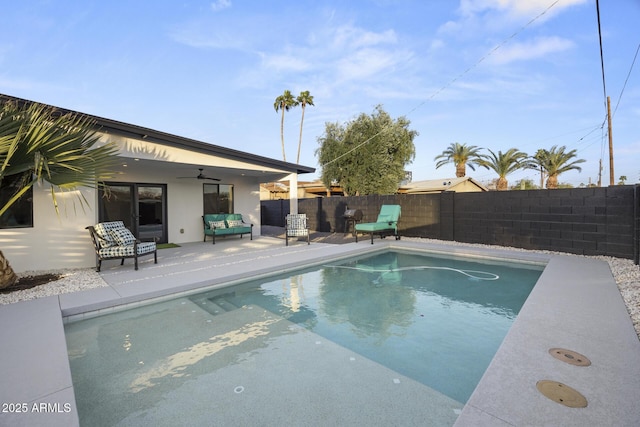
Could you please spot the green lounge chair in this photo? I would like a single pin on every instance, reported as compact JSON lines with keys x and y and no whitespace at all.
{"x":387,"y":223}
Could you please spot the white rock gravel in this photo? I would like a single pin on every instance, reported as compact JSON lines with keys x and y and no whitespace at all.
{"x":625,"y":272}
{"x":72,"y":280}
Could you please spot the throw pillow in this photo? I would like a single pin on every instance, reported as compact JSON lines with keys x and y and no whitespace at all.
{"x":217,"y":224}
{"x":234,"y":223}
{"x":105,"y":241}
{"x":122,"y":236}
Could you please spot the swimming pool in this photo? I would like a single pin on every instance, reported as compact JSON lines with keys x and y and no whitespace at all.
{"x":431,"y":320}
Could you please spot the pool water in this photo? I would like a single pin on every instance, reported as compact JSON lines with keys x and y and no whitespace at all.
{"x":438,"y":321}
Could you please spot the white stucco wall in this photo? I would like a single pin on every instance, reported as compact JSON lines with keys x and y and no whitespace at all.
{"x":185,"y":201}
{"x":61,"y":241}
{"x":55,"y":241}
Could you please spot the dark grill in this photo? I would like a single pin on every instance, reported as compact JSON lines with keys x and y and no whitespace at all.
{"x":351,"y":218}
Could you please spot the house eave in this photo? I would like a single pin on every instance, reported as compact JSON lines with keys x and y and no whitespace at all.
{"x":115,"y":127}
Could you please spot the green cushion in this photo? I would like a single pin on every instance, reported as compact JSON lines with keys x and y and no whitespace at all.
{"x":387,"y":220}
{"x":384,"y":218}
{"x":389,"y":212}
{"x":230,"y":221}
{"x":374,"y":226}
{"x":233,"y":230}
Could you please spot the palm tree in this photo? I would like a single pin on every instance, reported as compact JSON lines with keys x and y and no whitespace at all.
{"x":461,"y":155}
{"x":503,"y":164}
{"x":303,"y":99}
{"x":284,"y":102}
{"x":558,"y":161}
{"x":537,"y":162}
{"x":39,"y":144}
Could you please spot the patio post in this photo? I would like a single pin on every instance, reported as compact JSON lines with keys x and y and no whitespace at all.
{"x":293,"y":193}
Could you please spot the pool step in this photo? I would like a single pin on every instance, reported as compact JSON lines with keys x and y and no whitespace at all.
{"x":224,"y":303}
{"x":214,"y":306}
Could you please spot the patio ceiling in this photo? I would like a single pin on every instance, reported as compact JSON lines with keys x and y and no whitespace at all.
{"x":173,"y":170}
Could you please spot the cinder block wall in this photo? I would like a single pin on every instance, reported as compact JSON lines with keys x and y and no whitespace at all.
{"x":589,"y":221}
{"x":272,"y":212}
{"x":586,"y":221}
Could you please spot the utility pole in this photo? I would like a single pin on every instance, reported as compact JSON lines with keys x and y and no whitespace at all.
{"x":600,"y":174}
{"x":611,"y":174}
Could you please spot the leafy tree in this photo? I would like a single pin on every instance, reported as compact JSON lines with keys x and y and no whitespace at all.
{"x":622,"y":180}
{"x":503,"y":164}
{"x":284,"y":102}
{"x":525,"y":184}
{"x":367,"y":155}
{"x":558,"y":161}
{"x":39,"y":144}
{"x":461,"y":155}
{"x":303,"y":100}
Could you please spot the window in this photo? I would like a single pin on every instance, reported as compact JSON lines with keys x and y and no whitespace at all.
{"x":218,"y":198}
{"x":20,"y":214}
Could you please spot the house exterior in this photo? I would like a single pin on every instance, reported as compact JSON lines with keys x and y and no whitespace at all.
{"x":306,"y":189}
{"x":280,"y":190}
{"x":162,"y":187}
{"x":459,"y":185}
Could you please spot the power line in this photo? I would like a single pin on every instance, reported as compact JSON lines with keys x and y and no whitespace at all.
{"x":626,"y":80}
{"x":604,"y":86}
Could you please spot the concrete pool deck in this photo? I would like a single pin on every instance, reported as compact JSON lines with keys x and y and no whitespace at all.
{"x":575,"y":305}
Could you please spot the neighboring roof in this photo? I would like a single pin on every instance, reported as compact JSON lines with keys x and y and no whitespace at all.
{"x":275,"y":187}
{"x":318,"y":186}
{"x":439,"y":185}
{"x":139,"y":132}
{"x":464,"y":184}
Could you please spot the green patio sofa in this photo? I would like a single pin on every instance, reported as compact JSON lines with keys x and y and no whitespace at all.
{"x":225,"y":225}
{"x":386,"y":224}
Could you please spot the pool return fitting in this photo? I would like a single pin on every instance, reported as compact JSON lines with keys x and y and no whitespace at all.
{"x":559,"y":392}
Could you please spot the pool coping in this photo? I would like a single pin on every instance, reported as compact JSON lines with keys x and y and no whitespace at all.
{"x":575,"y":305}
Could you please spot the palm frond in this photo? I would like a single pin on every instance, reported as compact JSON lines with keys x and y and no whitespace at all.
{"x":61,"y":149}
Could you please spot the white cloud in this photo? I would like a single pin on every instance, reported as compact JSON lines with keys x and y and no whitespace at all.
{"x":200,"y":34}
{"x":354,"y":38}
{"x":365,"y":63}
{"x":341,"y":54}
{"x":220,"y":5}
{"x":515,"y":8}
{"x":285,"y":62}
{"x":537,"y":48}
{"x":497,"y":16}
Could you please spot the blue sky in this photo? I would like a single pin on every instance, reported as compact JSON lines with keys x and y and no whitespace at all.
{"x":491,"y":73}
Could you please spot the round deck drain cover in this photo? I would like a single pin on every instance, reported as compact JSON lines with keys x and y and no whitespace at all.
{"x":570,"y":357}
{"x":562,"y":394}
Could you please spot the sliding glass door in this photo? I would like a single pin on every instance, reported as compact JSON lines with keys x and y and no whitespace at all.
{"x":142,"y":208}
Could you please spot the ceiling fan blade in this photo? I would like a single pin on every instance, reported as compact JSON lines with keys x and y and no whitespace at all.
{"x":201,"y":175}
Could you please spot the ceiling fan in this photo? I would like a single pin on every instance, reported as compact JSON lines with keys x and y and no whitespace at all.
{"x":201,"y":175}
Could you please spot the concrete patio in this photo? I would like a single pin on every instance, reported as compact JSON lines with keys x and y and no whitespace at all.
{"x":575,"y":305}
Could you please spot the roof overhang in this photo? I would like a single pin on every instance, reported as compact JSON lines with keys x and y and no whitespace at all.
{"x":255,"y":165}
